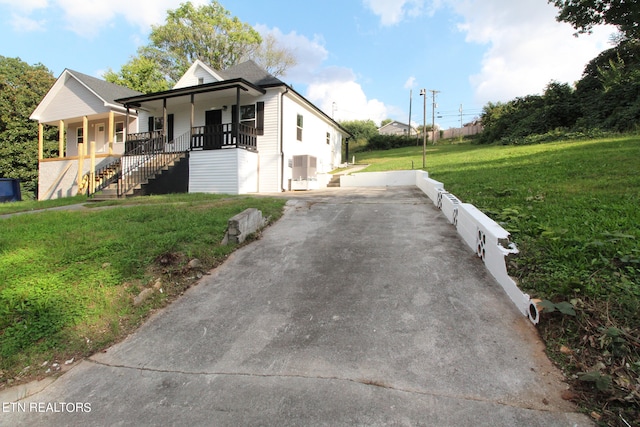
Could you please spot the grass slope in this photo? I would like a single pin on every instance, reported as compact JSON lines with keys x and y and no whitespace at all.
{"x":573,"y":211}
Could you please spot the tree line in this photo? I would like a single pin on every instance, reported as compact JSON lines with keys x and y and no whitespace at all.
{"x":606,"y":98}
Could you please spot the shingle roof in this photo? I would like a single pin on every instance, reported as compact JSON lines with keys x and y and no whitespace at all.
{"x":109,"y":92}
{"x":251,"y":72}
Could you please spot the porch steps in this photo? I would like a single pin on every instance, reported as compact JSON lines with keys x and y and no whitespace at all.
{"x":111,"y":191}
{"x":335,"y":181}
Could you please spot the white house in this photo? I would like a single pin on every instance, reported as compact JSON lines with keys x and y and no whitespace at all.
{"x":84,"y":109}
{"x":235,"y":131}
{"x":396,"y":128}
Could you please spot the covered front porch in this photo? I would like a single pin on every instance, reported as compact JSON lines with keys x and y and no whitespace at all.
{"x":85,"y":143}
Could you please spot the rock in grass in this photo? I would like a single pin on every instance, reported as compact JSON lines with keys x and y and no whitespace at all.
{"x":142,"y":296}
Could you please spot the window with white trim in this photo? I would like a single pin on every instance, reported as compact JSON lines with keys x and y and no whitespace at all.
{"x":299,"y":123}
{"x":80,"y":135}
{"x":119,"y":132}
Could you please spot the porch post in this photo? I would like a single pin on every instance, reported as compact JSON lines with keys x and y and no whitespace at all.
{"x":92,"y":171}
{"x":61,"y":138}
{"x":236,"y":119}
{"x":111,"y":131}
{"x":85,"y":134}
{"x":165,"y":125}
{"x":40,"y":141}
{"x":192,"y":119}
{"x":80,"y":166}
{"x":126,"y":128}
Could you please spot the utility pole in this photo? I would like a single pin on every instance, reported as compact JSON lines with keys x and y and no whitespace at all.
{"x":423,"y":93}
{"x":461,"y":128}
{"x":433,"y":115}
{"x":410,"y":102}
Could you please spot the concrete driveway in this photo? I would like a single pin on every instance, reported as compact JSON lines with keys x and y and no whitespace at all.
{"x":358,"y":307}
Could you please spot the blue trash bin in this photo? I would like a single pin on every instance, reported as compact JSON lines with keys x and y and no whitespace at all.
{"x":10,"y":190}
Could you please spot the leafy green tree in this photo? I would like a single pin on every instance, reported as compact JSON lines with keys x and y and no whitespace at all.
{"x":385,"y":122}
{"x":362,"y":130}
{"x":583,"y":15}
{"x":141,"y":74}
{"x":609,"y":90}
{"x":22,"y":87}
{"x":208,"y":33}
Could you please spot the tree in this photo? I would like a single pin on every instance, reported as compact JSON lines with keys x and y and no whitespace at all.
{"x":362,"y":130}
{"x":22,"y":86}
{"x":141,"y":74}
{"x":207,"y":33}
{"x":274,"y":59}
{"x":583,"y":15}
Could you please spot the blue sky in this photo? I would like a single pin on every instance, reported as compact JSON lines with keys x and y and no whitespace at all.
{"x":357,"y":59}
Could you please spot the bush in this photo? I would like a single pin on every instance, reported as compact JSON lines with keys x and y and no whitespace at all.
{"x":387,"y":142}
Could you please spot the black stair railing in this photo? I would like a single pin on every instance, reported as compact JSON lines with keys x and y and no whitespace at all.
{"x":148,"y":157}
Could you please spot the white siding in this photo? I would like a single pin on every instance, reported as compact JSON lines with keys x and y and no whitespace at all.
{"x":193,"y":74}
{"x":314,"y":137}
{"x":73,"y":100}
{"x":269,"y":144}
{"x":228,"y":171}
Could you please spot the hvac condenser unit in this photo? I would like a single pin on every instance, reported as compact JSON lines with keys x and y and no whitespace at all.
{"x":304,"y":175}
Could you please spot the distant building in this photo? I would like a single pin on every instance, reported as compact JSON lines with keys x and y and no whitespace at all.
{"x":396,"y":128}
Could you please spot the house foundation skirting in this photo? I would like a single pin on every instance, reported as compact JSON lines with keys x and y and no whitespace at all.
{"x":226,"y":171}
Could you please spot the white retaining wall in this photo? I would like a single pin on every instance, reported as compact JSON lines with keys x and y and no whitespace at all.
{"x":482,"y":234}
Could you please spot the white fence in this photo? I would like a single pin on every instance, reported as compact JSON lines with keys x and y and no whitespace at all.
{"x":482,"y":234}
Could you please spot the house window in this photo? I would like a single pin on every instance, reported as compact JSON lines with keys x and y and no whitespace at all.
{"x":158,"y":123}
{"x":328,"y":138}
{"x":248,"y":115}
{"x":299,"y":122}
{"x":119,"y":132}
{"x":80,"y":135}
{"x":200,"y":80}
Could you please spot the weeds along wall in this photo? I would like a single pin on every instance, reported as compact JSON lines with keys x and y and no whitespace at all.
{"x":483,"y":235}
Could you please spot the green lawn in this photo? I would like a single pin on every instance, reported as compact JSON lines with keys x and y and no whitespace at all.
{"x":573,"y":209}
{"x":68,"y":278}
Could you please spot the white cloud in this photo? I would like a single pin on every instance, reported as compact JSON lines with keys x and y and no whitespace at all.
{"x":527,"y":48}
{"x":310,"y":53}
{"x":338,"y":85}
{"x":410,"y":83}
{"x":334,"y":90}
{"x":23,"y":24}
{"x":392,"y":12}
{"x":89,"y":18}
{"x":25,"y":5}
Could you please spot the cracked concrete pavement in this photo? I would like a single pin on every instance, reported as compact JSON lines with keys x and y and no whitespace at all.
{"x":358,"y":307}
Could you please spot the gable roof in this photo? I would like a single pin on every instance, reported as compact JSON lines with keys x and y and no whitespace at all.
{"x":251,"y":72}
{"x":186,"y":77}
{"x":106,"y":92}
{"x":394,"y":123}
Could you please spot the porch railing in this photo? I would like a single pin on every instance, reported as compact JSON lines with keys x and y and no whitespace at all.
{"x":147,"y":158}
{"x":148,"y":152}
{"x":215,"y":137}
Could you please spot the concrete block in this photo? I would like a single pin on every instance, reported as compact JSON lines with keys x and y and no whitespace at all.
{"x":242,"y":225}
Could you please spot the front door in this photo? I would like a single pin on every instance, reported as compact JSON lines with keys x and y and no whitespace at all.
{"x":213,"y":130}
{"x":100,"y":136}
